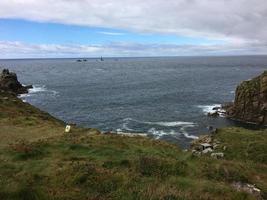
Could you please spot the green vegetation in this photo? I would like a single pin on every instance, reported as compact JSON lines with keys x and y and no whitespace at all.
{"x":39,"y":161}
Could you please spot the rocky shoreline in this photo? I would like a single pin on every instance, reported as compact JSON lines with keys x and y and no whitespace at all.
{"x":250,"y":104}
{"x":34,"y":134}
{"x":9,"y":82}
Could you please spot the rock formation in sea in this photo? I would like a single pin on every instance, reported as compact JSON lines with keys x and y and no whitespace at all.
{"x":9,"y":82}
{"x":250,"y":104}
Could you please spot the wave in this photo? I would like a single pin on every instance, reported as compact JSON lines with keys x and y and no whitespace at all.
{"x":160,"y":133}
{"x":208,"y":108}
{"x":190,"y":136}
{"x":172,"y":124}
{"x":37,"y":89}
{"x":166,"y":124}
{"x":125,"y":127}
{"x":185,"y":134}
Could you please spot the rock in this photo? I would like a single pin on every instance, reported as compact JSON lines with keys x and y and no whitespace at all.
{"x":215,"y":131}
{"x":213,"y":114}
{"x":250,"y":104}
{"x":210,"y":128}
{"x":207,"y":150}
{"x":216,"y":108}
{"x":198,"y":143}
{"x":248,"y":188}
{"x":217,"y":155}
{"x":196,"y":153}
{"x":10,"y":83}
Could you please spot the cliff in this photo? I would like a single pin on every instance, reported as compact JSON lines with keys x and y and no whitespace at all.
{"x":250,"y":104}
{"x":9,"y":82}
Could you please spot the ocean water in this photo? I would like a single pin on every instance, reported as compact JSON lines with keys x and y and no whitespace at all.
{"x":167,"y":98}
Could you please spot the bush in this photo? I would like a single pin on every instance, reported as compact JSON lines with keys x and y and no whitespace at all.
{"x":24,"y":150}
{"x":152,"y":166}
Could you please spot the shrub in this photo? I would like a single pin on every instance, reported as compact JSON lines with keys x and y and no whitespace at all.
{"x":24,"y":150}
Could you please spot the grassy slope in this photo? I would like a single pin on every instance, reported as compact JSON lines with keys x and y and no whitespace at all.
{"x":48,"y":164}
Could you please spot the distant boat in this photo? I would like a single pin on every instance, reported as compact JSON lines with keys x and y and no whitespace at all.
{"x":101,"y":58}
{"x":81,"y":60}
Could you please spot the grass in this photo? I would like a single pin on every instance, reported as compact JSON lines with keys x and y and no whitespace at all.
{"x":39,"y":161}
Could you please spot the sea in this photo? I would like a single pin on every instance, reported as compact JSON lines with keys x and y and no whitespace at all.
{"x":167,"y":98}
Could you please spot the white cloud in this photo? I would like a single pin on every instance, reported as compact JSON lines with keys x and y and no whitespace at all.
{"x":225,"y":19}
{"x":23,"y":50}
{"x":111,"y":33}
{"x":241,"y":24}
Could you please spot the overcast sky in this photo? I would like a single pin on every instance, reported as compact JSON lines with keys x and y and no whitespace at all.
{"x":91,"y":28}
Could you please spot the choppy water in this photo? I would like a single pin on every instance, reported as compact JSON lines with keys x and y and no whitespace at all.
{"x":164,"y":97}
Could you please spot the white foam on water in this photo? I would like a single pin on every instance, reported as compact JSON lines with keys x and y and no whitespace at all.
{"x":172,"y":124}
{"x":160,"y":133}
{"x":208,"y":108}
{"x":190,"y":136}
{"x":125,"y":127}
{"x":167,"y":124}
{"x":185,"y":134}
{"x":35,"y":90}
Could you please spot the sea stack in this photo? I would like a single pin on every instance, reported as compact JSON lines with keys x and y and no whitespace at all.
{"x":9,"y":82}
{"x":250,"y":104}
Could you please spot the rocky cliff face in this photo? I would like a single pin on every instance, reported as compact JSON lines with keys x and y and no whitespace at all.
{"x":250,"y":104}
{"x":9,"y":82}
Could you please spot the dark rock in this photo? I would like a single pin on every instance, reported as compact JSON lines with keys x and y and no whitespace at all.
{"x":9,"y":82}
{"x":210,"y":128}
{"x":216,"y":108}
{"x":213,"y":114}
{"x":28,"y":87}
{"x":250,"y":104}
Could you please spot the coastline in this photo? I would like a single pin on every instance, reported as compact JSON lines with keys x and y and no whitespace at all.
{"x":40,"y":160}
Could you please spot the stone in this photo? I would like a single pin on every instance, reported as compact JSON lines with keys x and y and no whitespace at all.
{"x":208,"y":150}
{"x":213,"y":114}
{"x":217,"y":155}
{"x":248,"y":188}
{"x":250,"y":104}
{"x":9,"y":82}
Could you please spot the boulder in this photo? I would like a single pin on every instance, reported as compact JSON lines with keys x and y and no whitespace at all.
{"x":9,"y":82}
{"x":207,"y":150}
{"x":213,"y":114}
{"x":217,"y":155}
{"x":250,"y":104}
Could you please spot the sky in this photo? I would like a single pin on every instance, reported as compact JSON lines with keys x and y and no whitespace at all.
{"x":122,"y":28}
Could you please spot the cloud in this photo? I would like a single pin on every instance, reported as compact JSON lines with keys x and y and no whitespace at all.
{"x":230,"y":20}
{"x":13,"y":49}
{"x":111,"y":33}
{"x":239,"y":24}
